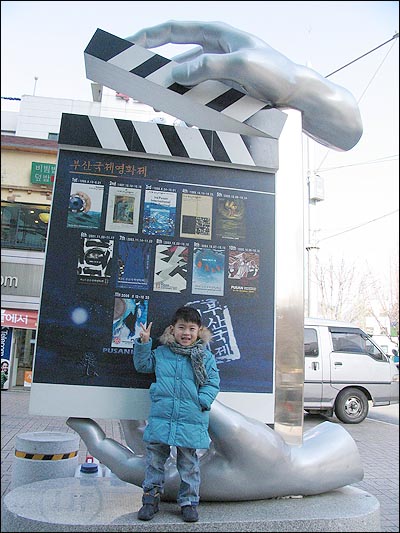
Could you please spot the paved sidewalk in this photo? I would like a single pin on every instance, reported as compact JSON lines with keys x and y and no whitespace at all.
{"x":378,"y":444}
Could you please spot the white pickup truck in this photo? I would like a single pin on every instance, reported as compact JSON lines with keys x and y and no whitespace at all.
{"x":344,"y":370}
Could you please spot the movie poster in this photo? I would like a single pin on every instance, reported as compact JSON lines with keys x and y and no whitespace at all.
{"x":95,"y":260}
{"x":159,"y":213}
{"x":129,"y":313}
{"x":196,"y":216}
{"x":85,"y":204}
{"x":134,"y":259}
{"x":230,"y":220}
{"x":208,"y":271}
{"x":243,"y":271}
{"x":123,"y":209}
{"x":171,"y":268}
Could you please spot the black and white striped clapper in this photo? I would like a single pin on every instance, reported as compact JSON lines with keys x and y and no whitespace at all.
{"x":146,"y":76}
{"x":168,"y":141}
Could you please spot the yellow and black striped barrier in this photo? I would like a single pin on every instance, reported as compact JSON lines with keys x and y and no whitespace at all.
{"x":41,"y":455}
{"x":45,"y":457}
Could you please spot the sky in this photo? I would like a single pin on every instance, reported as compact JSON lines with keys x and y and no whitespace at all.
{"x":358,"y":219}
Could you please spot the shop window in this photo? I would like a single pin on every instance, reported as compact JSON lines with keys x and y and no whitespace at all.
{"x":24,"y":349}
{"x":24,"y":226}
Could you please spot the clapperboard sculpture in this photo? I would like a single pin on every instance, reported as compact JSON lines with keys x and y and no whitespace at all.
{"x":148,"y":217}
{"x":129,"y":68}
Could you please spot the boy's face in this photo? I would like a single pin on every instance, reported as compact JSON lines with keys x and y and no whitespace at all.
{"x":185,"y":333}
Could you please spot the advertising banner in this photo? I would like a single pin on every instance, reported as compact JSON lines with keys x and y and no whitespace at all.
{"x":6,"y":339}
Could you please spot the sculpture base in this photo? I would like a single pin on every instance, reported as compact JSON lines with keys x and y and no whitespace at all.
{"x":109,"y":504}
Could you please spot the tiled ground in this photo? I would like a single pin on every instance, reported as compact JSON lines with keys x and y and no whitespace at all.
{"x":378,"y":444}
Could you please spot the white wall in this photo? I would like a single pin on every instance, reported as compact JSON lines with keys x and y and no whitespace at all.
{"x":38,"y":116}
{"x":9,"y":120}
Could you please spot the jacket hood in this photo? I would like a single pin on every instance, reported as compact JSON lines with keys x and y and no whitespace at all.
{"x":167,"y":338}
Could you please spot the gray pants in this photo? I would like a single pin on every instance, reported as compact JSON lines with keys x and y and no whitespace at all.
{"x":188,"y":465}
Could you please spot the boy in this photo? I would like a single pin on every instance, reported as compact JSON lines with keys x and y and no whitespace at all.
{"x":187,"y":382}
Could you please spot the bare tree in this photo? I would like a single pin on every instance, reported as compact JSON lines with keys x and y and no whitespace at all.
{"x":343,"y":291}
{"x":387,"y":298}
{"x":346,"y":293}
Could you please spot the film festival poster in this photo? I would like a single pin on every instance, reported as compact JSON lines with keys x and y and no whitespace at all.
{"x":129,"y":313}
{"x":171,"y":268}
{"x":159,"y":213}
{"x":123,"y":208}
{"x":243,"y":271}
{"x":85,"y":204}
{"x":95,"y":260}
{"x":230,"y":220}
{"x":196,"y":216}
{"x":134,"y":261}
{"x":208,"y":271}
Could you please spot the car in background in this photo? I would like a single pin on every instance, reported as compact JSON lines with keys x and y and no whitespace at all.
{"x":344,"y":369}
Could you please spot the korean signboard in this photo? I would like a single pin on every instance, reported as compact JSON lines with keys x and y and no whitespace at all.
{"x":42,"y":173}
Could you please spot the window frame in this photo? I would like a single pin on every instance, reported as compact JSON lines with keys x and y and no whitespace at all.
{"x":22,"y":234}
{"x":311,"y":329}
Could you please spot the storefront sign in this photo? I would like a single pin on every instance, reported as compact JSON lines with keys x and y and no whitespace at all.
{"x":6,"y":338}
{"x":43,"y":173}
{"x":20,"y":279}
{"x":9,"y":281}
{"x":19,"y":318}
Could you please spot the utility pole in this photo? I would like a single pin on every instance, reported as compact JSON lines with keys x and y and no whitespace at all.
{"x":315,"y":194}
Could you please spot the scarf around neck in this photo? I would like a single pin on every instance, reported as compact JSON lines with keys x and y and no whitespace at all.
{"x":196,"y":354}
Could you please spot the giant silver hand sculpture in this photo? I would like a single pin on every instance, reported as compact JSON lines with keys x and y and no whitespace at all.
{"x":246,"y":461}
{"x":330,"y":113}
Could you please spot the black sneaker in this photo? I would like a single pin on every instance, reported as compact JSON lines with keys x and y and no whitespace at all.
{"x":147,"y":512}
{"x":189,"y":513}
{"x":149,"y":508}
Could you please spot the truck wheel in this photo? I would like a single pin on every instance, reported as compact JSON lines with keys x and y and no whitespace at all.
{"x":351,"y":406}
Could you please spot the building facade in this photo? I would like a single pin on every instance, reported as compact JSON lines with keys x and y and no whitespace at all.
{"x":30,"y":128}
{"x":27,"y":174}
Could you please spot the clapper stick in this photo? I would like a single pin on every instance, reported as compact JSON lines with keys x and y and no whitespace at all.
{"x":146,"y":76}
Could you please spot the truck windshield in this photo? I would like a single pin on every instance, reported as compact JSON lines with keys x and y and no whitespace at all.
{"x":352,"y":342}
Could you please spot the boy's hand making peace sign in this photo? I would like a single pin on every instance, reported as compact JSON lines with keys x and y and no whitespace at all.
{"x":145,"y":333}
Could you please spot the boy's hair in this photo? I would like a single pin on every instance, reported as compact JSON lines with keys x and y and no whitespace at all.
{"x":187,"y":314}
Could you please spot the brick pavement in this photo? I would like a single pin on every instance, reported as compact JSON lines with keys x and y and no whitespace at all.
{"x":378,"y":444}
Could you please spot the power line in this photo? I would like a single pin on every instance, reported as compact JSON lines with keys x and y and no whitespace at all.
{"x":375,"y":73}
{"x":372,"y":161}
{"x":395,"y":36}
{"x":359,"y":226}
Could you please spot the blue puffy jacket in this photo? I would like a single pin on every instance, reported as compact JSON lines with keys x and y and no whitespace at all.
{"x":179,"y":413}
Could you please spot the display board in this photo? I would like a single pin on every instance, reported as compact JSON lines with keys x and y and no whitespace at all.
{"x":133,"y":239}
{"x":145,"y":218}
{"x":148,"y":217}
